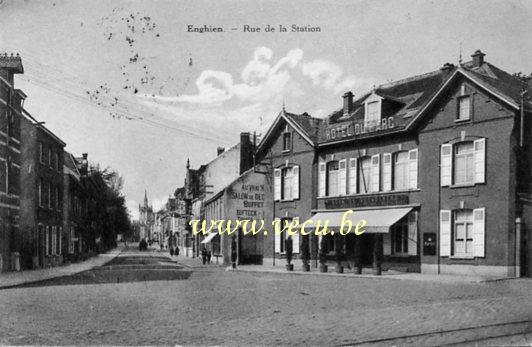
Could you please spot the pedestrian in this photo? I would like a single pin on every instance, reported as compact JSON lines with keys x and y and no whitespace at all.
{"x":208,"y":256}
{"x":171,"y":251}
{"x":233,"y":252}
{"x":204,"y":255}
{"x":176,"y":252}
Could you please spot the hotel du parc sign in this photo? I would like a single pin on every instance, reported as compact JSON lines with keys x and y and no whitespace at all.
{"x":353,"y":128}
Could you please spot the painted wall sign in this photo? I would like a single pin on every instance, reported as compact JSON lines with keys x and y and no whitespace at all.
{"x":363,"y":201}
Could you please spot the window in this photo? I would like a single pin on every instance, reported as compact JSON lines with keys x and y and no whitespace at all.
{"x":47,"y":240}
{"x":58,"y":245}
{"x":49,"y":195}
{"x":287,"y":183}
{"x":463,"y":233}
{"x":373,"y":114}
{"x":41,"y":153}
{"x":464,"y":163}
{"x":287,"y":141}
{"x":364,"y":175}
{"x":50,"y":156}
{"x":57,"y":161}
{"x":57,"y":198}
{"x":54,"y":241}
{"x":464,"y":108}
{"x":400,"y":171}
{"x":40,"y":192}
{"x":399,"y":234}
{"x":332,"y":178}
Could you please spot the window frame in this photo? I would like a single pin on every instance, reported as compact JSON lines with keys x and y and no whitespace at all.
{"x":284,"y":178}
{"x":287,"y":134}
{"x":360,"y":175}
{"x":404,"y":230}
{"x":469,"y":224}
{"x":458,"y":108}
{"x":406,"y":168}
{"x":327,"y":177}
{"x":469,"y":160}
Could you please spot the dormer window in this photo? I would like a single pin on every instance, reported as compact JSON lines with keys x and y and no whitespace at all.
{"x":373,"y":111}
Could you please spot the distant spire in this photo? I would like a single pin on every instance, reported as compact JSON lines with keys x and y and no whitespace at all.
{"x":284,"y":105}
{"x":188,"y":163}
{"x":145,"y":197}
{"x":460,"y":56}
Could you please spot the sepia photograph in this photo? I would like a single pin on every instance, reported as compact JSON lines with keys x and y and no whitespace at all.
{"x":265,"y":173}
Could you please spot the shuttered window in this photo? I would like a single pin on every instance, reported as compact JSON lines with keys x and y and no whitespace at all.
{"x":321,"y":178}
{"x":400,"y":171}
{"x":277,"y":184}
{"x":342,"y":177}
{"x":375,"y":173}
{"x":446,"y":159}
{"x":332,"y":178}
{"x":463,"y":163}
{"x":386,"y":172}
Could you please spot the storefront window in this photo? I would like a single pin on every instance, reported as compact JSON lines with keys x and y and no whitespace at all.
{"x":400,"y":237}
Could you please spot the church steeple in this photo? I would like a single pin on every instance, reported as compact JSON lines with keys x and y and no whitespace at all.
{"x":145,"y":198}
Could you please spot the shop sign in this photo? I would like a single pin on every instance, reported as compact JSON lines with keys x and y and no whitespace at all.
{"x":364,"y":201}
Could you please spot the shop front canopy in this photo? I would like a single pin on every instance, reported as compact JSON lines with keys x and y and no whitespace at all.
{"x":209,"y":238}
{"x":378,"y":220}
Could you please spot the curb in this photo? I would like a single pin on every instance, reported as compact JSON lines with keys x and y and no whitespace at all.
{"x":8,"y":286}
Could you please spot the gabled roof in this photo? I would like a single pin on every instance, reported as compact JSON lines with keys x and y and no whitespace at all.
{"x":306,"y":126}
{"x":413,"y":96}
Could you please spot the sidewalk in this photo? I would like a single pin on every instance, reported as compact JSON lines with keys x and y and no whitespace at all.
{"x":10,"y":279}
{"x":366,"y":273}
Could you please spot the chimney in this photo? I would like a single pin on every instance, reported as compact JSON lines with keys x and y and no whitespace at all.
{"x":10,"y":65}
{"x":84,"y":168}
{"x":478,"y":58}
{"x":348,"y":103}
{"x":247,"y":150}
{"x":447,"y":67}
{"x":220,"y":150}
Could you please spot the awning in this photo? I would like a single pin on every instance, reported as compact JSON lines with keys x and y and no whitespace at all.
{"x":378,"y":220}
{"x":209,"y":238}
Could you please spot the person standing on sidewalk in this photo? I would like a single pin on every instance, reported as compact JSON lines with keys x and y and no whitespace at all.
{"x":204,"y":255}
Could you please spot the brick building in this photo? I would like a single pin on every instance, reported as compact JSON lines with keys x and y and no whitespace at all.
{"x":75,"y":205}
{"x":437,"y":164}
{"x":41,"y":203}
{"x":288,"y":149}
{"x":11,"y":102}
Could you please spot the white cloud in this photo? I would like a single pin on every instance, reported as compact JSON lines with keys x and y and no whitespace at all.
{"x":260,"y":79}
{"x":322,"y":73}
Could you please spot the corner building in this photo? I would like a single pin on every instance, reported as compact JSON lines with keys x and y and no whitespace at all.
{"x":439,"y":166}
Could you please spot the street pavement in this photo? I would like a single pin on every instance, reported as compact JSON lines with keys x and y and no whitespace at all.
{"x":218,"y":307}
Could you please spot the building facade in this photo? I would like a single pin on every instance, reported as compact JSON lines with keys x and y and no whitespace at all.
{"x":11,"y":102}
{"x":437,"y":164}
{"x":41,"y":206}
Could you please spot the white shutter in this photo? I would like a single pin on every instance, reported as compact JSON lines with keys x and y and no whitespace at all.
{"x":446,"y":170}
{"x":480,"y":160}
{"x":445,"y":233}
{"x":277,"y":184}
{"x":295,"y":182}
{"x":295,"y":240}
{"x":321,"y":179}
{"x":479,"y":231}
{"x":352,"y":176}
{"x":342,"y":176}
{"x":375,"y":173}
{"x":276,"y":237}
{"x":387,"y":172}
{"x":412,"y":233}
{"x":387,"y":244}
{"x":412,"y":168}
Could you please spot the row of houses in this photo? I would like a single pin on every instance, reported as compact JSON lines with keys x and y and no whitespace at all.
{"x":439,"y":165}
{"x":46,"y":194}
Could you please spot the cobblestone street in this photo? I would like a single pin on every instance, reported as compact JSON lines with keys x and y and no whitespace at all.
{"x":215,"y":307}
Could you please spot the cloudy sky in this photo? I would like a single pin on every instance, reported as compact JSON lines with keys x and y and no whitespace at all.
{"x":126,"y":82}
